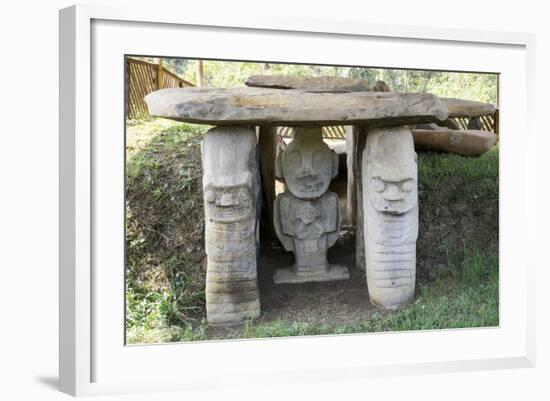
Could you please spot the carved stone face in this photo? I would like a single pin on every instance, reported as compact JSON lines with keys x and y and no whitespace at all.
{"x":391,"y":171}
{"x":393,"y":196}
{"x":228,"y":204}
{"x":229,"y":165}
{"x":308,"y":164}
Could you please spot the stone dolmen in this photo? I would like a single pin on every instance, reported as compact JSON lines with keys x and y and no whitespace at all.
{"x":239,"y":164}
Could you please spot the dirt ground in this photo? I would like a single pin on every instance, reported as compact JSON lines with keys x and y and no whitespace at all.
{"x":330,"y":303}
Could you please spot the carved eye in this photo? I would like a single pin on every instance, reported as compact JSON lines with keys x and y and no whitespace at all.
{"x":407,"y":186}
{"x":294,"y":160}
{"x":321,"y":160}
{"x":243,"y":194}
{"x":210,"y":196}
{"x":378,"y":185}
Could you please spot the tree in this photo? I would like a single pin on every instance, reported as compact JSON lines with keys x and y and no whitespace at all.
{"x":472,"y":86}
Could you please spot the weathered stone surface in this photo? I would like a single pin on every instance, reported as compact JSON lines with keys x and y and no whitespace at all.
{"x":293,"y":107}
{"x":308,"y":164}
{"x":467,"y":108}
{"x":456,"y":107}
{"x":315,"y":84}
{"x":307,"y":218}
{"x":231,"y":198}
{"x":429,"y":126}
{"x":460,"y":142}
{"x":390,"y":207}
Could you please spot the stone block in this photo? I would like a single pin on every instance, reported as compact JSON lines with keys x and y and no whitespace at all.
{"x":390,"y":207}
{"x":231,"y":186}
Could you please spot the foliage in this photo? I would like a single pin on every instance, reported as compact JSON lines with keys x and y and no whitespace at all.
{"x":164,"y":227}
{"x":472,"y":86}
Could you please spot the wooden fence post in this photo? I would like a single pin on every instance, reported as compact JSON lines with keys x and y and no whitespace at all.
{"x":126,"y":88}
{"x":200,"y":73}
{"x":160,"y":75}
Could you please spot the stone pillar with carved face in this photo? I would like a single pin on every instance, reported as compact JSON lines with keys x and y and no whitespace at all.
{"x":307,"y":217}
{"x":390,"y":207}
{"x":231,"y":199}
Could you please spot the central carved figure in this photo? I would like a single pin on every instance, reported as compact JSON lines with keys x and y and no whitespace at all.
{"x":307,"y":218}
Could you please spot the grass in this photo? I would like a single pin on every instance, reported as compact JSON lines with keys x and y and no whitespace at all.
{"x":459,"y":206}
{"x":164,"y":229}
{"x":467,"y":297}
{"x":457,"y":247}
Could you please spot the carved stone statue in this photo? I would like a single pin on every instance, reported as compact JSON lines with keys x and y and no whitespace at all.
{"x":390,"y":205}
{"x":307,"y":218}
{"x":231,"y":199}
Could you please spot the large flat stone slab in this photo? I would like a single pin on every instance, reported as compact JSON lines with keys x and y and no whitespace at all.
{"x":315,"y":84}
{"x":461,"y":142}
{"x":292,"y":107}
{"x":467,"y":108}
{"x":456,"y":107}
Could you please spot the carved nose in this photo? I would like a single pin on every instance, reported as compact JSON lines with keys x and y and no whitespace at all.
{"x":307,"y":173}
{"x":227,"y":200}
{"x":392,"y":193}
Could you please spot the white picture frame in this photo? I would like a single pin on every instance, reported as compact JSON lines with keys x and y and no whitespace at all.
{"x":95,"y":361}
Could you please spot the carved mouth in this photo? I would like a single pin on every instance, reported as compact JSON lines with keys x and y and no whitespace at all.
{"x":308,"y":185}
{"x":394,"y":206}
{"x":229,"y":215}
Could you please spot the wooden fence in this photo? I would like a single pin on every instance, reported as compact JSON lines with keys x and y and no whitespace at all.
{"x":142,"y":78}
{"x":488,"y":123}
{"x":335,"y":132}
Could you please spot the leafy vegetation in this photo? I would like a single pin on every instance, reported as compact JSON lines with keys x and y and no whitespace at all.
{"x":471,"y":86}
{"x":164,"y":228}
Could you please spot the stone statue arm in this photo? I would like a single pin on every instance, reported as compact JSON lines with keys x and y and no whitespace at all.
{"x":283,"y":227}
